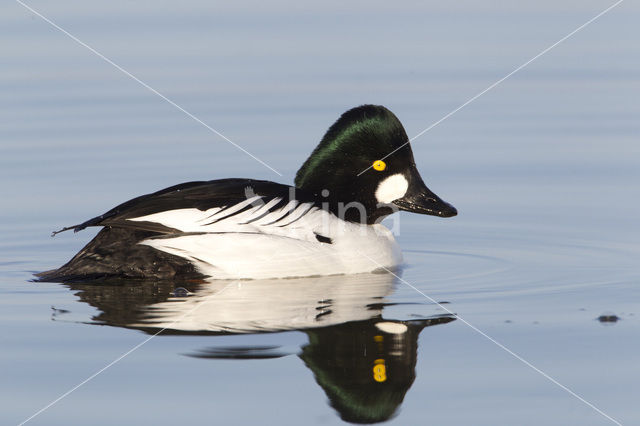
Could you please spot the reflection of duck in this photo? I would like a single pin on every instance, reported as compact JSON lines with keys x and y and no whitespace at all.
{"x":366,"y":367}
{"x":252,"y":306}
{"x":364,"y":363}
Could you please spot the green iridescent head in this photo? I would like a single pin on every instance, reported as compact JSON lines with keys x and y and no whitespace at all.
{"x":362,"y":140}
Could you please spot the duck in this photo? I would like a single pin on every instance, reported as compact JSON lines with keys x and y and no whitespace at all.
{"x":327,"y":223}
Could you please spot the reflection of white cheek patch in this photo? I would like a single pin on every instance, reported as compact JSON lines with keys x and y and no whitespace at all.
{"x":392,"y":188}
{"x":392,"y":327}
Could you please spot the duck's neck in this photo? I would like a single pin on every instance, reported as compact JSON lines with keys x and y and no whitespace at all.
{"x":348,"y":209}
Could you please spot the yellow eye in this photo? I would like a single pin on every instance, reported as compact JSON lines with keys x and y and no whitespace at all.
{"x":379,"y":165}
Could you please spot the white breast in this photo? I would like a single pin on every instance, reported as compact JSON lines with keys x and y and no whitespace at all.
{"x":258,"y":243}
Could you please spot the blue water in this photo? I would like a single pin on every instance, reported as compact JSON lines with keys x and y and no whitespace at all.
{"x":544,"y":170}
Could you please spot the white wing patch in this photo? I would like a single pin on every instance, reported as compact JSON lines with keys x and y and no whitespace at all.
{"x":392,"y":188}
{"x":250,"y":240}
{"x":218,"y":213}
{"x":252,"y":215}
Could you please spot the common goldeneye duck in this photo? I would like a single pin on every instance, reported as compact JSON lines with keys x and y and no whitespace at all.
{"x":243,"y":228}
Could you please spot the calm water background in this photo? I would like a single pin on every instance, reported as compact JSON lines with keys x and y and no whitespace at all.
{"x":544,"y":170}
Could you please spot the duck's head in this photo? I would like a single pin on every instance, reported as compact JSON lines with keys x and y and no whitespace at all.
{"x":360,"y":140}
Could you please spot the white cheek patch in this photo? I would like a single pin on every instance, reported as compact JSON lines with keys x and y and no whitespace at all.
{"x":392,"y":188}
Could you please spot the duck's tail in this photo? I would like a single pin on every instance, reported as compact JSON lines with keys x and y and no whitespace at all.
{"x":115,"y":253}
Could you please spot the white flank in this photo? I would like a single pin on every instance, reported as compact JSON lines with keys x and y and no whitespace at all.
{"x":225,"y":246}
{"x":392,"y":188}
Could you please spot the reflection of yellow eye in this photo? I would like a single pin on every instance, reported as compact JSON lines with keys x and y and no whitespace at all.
{"x":379,"y":165}
{"x":379,"y":371}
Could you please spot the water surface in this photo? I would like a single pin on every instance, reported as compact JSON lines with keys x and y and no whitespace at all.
{"x":544,"y":170}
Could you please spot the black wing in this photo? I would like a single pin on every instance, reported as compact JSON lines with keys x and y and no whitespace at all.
{"x":202,"y":195}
